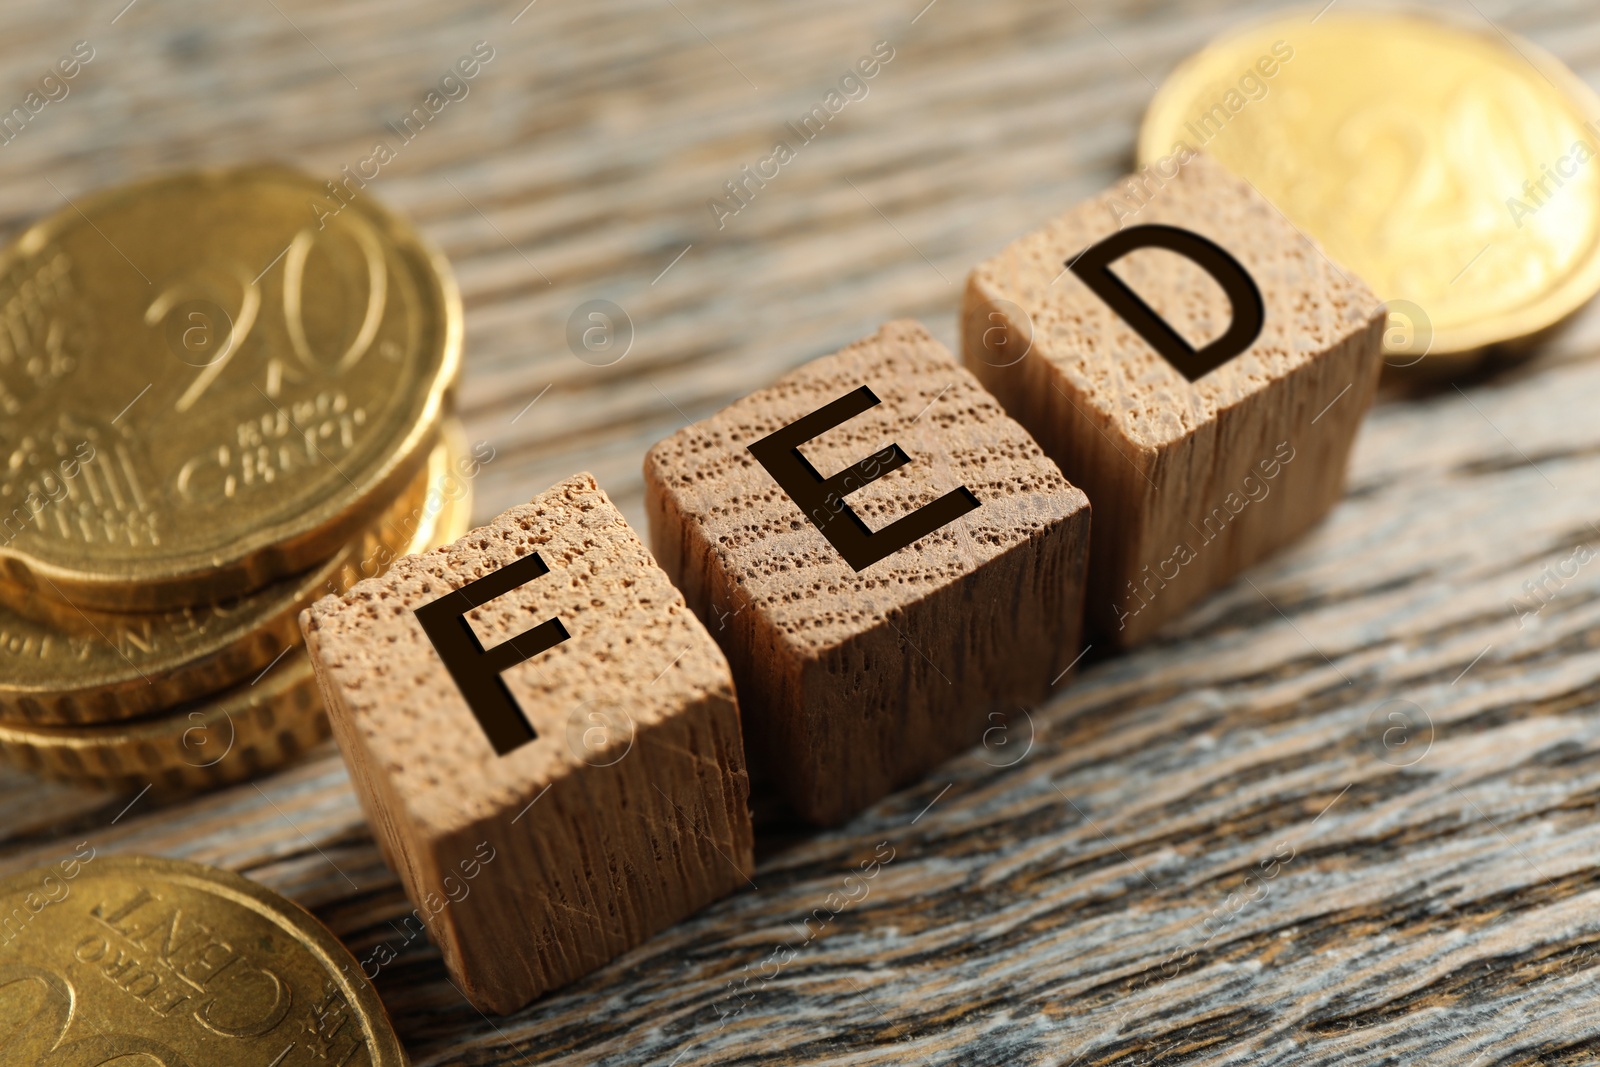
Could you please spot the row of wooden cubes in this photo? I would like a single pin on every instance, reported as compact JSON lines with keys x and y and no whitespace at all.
{"x":875,"y":554}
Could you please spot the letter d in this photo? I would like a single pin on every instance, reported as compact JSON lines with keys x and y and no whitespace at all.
{"x":1249,"y":313}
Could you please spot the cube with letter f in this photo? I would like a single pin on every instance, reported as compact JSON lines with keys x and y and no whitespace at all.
{"x":888,"y":560}
{"x":545,"y":740}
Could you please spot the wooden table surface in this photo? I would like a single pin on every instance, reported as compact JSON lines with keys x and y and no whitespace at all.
{"x":1411,"y":770}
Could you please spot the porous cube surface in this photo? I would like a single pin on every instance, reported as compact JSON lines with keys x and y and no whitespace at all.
{"x":628,"y":809}
{"x":855,"y":682}
{"x":1189,"y":479}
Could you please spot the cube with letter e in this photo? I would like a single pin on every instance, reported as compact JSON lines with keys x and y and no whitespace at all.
{"x":1194,"y":362}
{"x":538,"y":693}
{"x":888,"y":560}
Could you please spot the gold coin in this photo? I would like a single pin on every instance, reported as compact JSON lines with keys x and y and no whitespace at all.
{"x":62,"y":665}
{"x":1451,"y":166}
{"x":65,"y":665}
{"x":137,"y":959}
{"x":235,"y":734}
{"x":211,"y":380}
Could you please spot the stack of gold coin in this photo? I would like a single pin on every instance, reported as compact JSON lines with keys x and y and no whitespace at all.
{"x":223,"y":394}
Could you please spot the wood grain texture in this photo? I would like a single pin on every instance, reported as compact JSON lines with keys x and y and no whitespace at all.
{"x":1442,"y":912}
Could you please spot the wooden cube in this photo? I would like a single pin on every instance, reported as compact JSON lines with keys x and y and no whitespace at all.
{"x":1207,"y":409}
{"x":535,"y":704}
{"x":929,"y":577}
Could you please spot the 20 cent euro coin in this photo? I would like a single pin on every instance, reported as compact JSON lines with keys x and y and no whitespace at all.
{"x":211,"y":380}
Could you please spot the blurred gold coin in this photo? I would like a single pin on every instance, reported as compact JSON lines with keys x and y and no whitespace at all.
{"x":1450,"y":165}
{"x":136,"y":959}
{"x":211,"y":380}
{"x":242,"y":731}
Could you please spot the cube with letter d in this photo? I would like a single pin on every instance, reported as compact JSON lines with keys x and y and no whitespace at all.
{"x":1193,"y":361}
{"x":545,"y":740}
{"x":889,"y":561}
